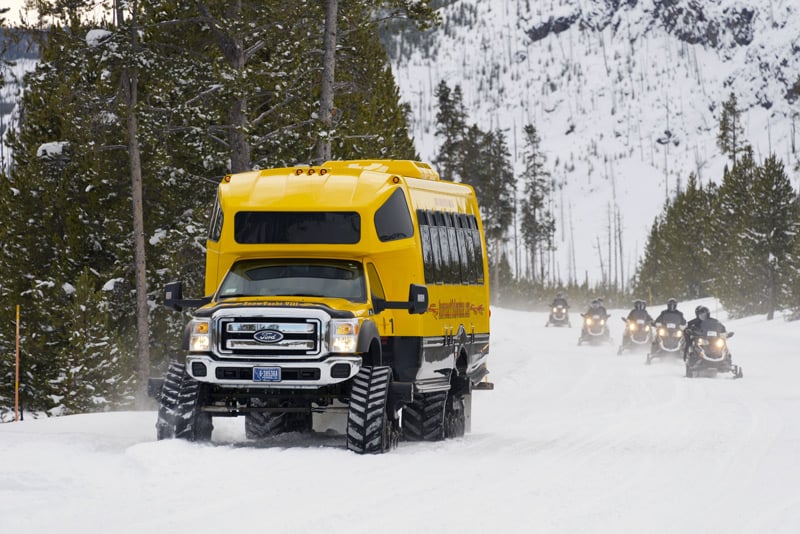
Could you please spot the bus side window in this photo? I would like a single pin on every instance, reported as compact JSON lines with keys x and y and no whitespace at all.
{"x":465,"y":252}
{"x":444,"y":246}
{"x":215,"y":226}
{"x":439,"y":259}
{"x":477,"y":248}
{"x":375,"y":286}
{"x":455,"y":257}
{"x":427,"y":249}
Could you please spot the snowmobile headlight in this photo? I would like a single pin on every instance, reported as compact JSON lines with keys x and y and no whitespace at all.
{"x":555,"y":310}
{"x":343,"y":335}
{"x":602,"y":321}
{"x":719,"y":343}
{"x":588,"y":320}
{"x":631,"y":326}
{"x":678,"y":333}
{"x":702,"y":341}
{"x":662,"y":332}
{"x":199,"y":337}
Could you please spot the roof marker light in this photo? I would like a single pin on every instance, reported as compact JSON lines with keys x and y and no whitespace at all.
{"x":298,"y":172}
{"x":395,"y":179}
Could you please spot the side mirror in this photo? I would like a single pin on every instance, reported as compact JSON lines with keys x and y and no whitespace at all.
{"x":173,"y":298}
{"x":417,"y":299}
{"x":729,"y":334}
{"x":173,"y":295}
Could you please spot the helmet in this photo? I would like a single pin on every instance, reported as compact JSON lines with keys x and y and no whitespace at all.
{"x":672,"y":304}
{"x":702,"y":313}
{"x":639,"y":304}
{"x":595,"y":303}
{"x":559,"y":295}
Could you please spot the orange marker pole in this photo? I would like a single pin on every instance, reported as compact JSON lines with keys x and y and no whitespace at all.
{"x":16,"y":381}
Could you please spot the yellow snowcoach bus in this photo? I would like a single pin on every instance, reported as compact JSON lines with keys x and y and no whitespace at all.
{"x":355,"y":285}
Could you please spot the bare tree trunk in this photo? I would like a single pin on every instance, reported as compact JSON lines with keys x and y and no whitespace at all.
{"x":130,"y":82}
{"x":600,"y":257}
{"x":237,"y":138}
{"x":621,"y":257}
{"x":773,"y":294}
{"x":326,"y":91}
{"x":232,"y":48}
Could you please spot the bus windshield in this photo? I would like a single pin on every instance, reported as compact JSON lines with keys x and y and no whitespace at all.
{"x":295,"y":278}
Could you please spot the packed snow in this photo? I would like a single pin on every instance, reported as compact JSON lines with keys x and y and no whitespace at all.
{"x":573,"y":439}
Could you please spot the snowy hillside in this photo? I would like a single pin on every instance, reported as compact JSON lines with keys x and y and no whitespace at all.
{"x":626,"y":96}
{"x":573,"y":439}
{"x":21,"y":59}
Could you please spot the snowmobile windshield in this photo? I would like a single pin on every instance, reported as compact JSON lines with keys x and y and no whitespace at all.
{"x":711,"y":327}
{"x":295,"y":278}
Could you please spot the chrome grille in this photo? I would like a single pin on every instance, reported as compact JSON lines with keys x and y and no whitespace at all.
{"x":256,"y":337}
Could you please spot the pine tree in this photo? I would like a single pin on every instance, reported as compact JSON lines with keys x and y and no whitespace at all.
{"x":451,"y":128}
{"x":486,"y":166}
{"x":773,"y":235}
{"x":678,"y":259}
{"x":537,"y":223}
{"x":734,"y":279}
{"x":92,"y":375}
{"x":730,"y":139}
{"x":371,"y":120}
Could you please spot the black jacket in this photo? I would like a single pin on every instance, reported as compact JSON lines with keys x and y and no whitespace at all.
{"x":698,"y":327}
{"x":671,"y":316}
{"x":635,"y":315}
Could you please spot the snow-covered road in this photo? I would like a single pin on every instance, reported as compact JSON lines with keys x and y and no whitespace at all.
{"x":573,"y":439}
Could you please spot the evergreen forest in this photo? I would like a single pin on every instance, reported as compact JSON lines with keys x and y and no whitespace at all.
{"x":128,"y":125}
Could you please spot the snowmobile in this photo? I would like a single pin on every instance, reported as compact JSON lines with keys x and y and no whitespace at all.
{"x":595,"y":329}
{"x":668,"y":340}
{"x":638,"y":335}
{"x":709,"y":351}
{"x":559,"y":316}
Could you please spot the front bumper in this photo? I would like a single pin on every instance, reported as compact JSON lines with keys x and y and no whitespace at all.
{"x":294,"y":375}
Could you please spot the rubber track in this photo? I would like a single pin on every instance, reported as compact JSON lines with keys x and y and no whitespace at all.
{"x":165,"y":426}
{"x":178,"y":415}
{"x":261,"y":425}
{"x":366,"y":420}
{"x":424,"y":419}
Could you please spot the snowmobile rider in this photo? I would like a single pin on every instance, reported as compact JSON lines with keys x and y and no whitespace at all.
{"x":671,"y":315}
{"x":597,"y":308}
{"x":559,"y":301}
{"x":695,"y":327}
{"x":638,"y":313}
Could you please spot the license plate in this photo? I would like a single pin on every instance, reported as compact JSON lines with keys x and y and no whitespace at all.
{"x":670,"y":325}
{"x":266,"y":374}
{"x":711,"y":333}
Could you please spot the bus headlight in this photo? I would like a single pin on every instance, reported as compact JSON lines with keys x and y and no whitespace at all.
{"x":199,"y":338}
{"x":343,"y":335}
